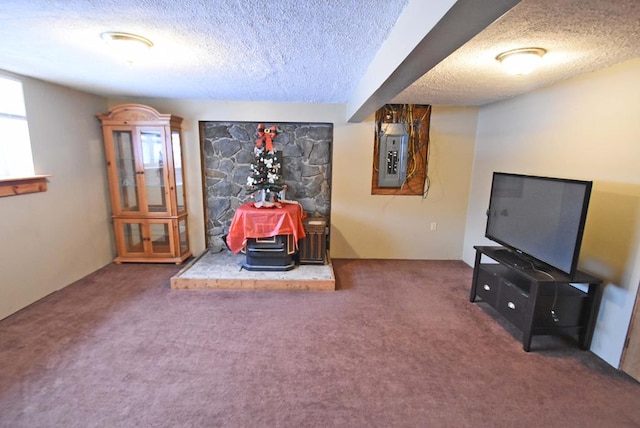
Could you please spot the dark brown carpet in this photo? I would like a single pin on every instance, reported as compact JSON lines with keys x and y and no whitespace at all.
{"x":398,"y":345}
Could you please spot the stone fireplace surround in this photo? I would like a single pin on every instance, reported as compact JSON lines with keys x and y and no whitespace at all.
{"x":226,"y":152}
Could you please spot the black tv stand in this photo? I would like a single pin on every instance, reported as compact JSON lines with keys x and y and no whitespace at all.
{"x":536,"y":301}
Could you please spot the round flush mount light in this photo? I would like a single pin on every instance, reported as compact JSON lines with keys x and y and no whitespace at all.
{"x":521,"y":61}
{"x":130,"y":46}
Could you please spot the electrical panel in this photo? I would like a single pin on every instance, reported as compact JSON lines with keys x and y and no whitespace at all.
{"x":392,"y":165}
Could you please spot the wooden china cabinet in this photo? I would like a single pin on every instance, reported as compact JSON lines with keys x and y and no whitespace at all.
{"x":146,"y":181}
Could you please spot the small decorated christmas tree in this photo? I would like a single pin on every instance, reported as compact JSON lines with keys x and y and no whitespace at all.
{"x":265,"y":180}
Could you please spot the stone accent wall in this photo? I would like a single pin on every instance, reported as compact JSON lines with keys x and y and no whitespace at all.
{"x":227,"y":153}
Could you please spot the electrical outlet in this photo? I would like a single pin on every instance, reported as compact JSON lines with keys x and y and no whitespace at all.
{"x":434,"y":226}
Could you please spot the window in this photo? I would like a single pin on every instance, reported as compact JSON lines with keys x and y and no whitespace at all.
{"x":17,"y":174}
{"x":15,"y":145}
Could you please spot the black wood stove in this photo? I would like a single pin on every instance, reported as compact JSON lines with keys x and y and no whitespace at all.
{"x":270,"y":254}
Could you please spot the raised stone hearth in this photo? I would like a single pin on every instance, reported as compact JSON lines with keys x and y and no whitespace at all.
{"x":224,"y":270}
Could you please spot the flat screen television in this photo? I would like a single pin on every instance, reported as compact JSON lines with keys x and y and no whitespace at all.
{"x":539,"y":217}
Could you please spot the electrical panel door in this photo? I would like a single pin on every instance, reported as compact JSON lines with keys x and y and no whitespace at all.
{"x":392,"y":166}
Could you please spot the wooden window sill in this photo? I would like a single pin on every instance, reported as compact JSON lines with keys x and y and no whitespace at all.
{"x":23,"y":185}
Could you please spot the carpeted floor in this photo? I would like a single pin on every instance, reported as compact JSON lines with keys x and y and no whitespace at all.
{"x":398,"y":345}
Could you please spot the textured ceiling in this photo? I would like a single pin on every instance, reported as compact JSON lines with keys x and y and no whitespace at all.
{"x":312,"y":51}
{"x":284,"y":50}
{"x":579,"y":35}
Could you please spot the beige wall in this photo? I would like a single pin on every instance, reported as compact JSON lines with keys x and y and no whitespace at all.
{"x":363,"y":226}
{"x":54,"y":238}
{"x":584,"y":128}
{"x":398,"y":227}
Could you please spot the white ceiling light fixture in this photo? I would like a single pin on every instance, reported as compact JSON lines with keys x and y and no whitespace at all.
{"x":521,"y":61}
{"x":129,"y":46}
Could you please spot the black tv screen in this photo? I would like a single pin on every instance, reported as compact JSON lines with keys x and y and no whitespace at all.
{"x":540,"y":217}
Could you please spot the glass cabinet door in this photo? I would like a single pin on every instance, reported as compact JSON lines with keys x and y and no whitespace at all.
{"x":144,"y":238}
{"x":160,"y":237}
{"x":153,"y":162}
{"x":177,"y":167}
{"x":132,"y":237}
{"x":126,"y":169}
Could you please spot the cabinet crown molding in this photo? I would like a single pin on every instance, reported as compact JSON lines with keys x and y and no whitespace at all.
{"x":136,"y":113}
